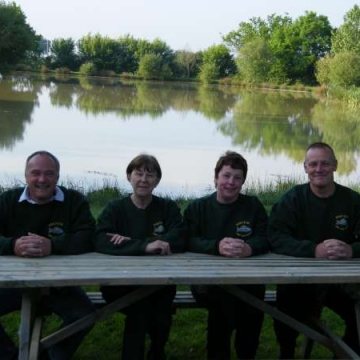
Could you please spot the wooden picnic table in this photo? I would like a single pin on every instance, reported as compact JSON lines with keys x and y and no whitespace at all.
{"x":36,"y":275}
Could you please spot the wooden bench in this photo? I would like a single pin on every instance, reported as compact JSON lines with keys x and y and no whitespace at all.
{"x":183,"y":299}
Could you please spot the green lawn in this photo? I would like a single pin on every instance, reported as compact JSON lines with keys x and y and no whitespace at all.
{"x":187,"y":338}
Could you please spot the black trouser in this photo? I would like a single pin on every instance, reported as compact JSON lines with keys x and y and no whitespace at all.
{"x":69,"y":303}
{"x":227,"y":313}
{"x":150,"y":315}
{"x":304,"y":302}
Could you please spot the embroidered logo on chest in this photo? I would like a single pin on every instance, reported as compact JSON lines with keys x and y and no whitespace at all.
{"x":159,"y":228}
{"x":243,"y":229}
{"x":56,"y":229}
{"x":342,"y":222}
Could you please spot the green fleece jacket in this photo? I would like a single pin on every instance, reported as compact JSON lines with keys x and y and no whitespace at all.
{"x":69,"y":224}
{"x":208,"y":222}
{"x":300,"y":220}
{"x":161,"y":219}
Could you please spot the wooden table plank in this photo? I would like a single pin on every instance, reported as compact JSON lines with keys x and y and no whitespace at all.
{"x":185,"y":269}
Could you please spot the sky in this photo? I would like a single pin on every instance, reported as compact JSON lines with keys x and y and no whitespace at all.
{"x":187,"y":24}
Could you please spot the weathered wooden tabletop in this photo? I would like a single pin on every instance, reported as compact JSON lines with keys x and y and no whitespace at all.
{"x":186,"y":268}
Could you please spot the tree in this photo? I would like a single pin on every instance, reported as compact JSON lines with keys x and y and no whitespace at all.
{"x":347,"y":36}
{"x":254,"y":63}
{"x":291,"y":47}
{"x":104,"y":52}
{"x":63,"y":53}
{"x":160,"y":47}
{"x":186,"y":62}
{"x":247,"y":32}
{"x":218,"y":61}
{"x":310,"y":37}
{"x":122,"y":55}
{"x":299,"y":45}
{"x":130,"y":62}
{"x":17,"y":37}
{"x":266,"y":35}
{"x":152,"y":66}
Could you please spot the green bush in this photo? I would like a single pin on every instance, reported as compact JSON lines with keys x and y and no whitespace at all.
{"x":44,"y":69}
{"x":345,"y":69}
{"x":151,"y":66}
{"x":209,"y":72}
{"x":23,"y":67}
{"x":322,"y":70}
{"x":62,"y":71}
{"x":88,"y":68}
{"x":109,"y":73}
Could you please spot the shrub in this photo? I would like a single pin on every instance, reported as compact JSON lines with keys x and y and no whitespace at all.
{"x":62,"y":71}
{"x":353,"y":97}
{"x":322,"y":70}
{"x":108,"y":73}
{"x":345,"y":69}
{"x":88,"y":68}
{"x":209,"y":72}
{"x":151,"y":66}
{"x":22,"y":67}
{"x":44,"y":69}
{"x":321,"y":90}
{"x":225,"y":81}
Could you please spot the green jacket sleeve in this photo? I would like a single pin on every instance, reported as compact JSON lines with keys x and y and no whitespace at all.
{"x":108,"y":222}
{"x":259,"y":242}
{"x":196,"y":242}
{"x":6,"y":242}
{"x":283,"y":223}
{"x":175,"y":228}
{"x":6,"y":245}
{"x":356,"y":241}
{"x":77,"y":239}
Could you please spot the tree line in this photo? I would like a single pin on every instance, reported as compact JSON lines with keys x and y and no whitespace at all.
{"x":277,"y":50}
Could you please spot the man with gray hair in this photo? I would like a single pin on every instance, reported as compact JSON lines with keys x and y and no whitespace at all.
{"x":39,"y":220}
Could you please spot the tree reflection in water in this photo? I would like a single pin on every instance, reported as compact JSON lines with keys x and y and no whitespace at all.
{"x":178,"y":119}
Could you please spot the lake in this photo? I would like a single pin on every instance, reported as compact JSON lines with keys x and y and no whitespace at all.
{"x":96,"y":126}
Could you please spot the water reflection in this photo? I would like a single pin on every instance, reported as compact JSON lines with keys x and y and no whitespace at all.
{"x":188,"y":125}
{"x":18,"y":97}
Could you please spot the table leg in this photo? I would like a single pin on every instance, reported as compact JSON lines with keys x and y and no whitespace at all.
{"x":330,"y":341}
{"x":35,"y":338}
{"x":98,"y":315}
{"x":25,"y":324}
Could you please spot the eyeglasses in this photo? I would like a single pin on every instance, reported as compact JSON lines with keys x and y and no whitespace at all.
{"x":146,"y":175}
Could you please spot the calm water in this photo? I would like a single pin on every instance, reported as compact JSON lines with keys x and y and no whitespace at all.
{"x":97,"y":127}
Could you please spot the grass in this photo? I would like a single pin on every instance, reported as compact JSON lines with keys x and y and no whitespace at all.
{"x":187,"y":337}
{"x":188,"y":333}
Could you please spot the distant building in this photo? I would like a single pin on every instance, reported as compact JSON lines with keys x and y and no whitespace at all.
{"x":44,"y":46}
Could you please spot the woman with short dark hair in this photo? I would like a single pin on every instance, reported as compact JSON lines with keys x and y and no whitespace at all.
{"x":228,"y":223}
{"x":141,"y":224}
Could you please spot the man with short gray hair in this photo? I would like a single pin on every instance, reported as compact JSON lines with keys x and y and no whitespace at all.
{"x":39,"y":220}
{"x":317,"y":219}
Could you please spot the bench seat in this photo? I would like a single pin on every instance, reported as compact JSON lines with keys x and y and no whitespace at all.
{"x":183,"y":299}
